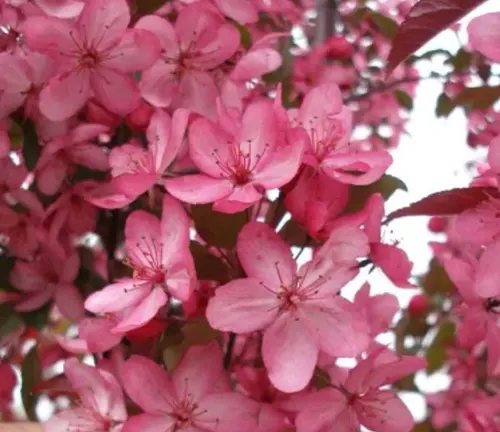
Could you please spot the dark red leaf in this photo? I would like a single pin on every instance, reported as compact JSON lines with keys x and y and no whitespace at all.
{"x":425,"y":20}
{"x":446,"y":203}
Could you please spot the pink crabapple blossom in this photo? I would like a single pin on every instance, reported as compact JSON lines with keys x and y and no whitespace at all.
{"x":299,"y":311}
{"x":239,"y":161}
{"x":94,"y":55}
{"x":196,"y":396}
{"x":102,"y":403}
{"x":158,"y":251}
{"x":357,"y":398}
{"x":199,"y":41}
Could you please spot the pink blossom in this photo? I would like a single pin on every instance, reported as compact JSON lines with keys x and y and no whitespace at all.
{"x":95,"y":55}
{"x":238,"y":162}
{"x":102,"y":406}
{"x":315,"y":201}
{"x":300,"y":312}
{"x":8,"y":381}
{"x":484,"y":35}
{"x":59,"y":155}
{"x":22,"y":75}
{"x":20,"y":227}
{"x":199,"y":41}
{"x":60,"y":8}
{"x":44,"y":279}
{"x":357,"y":399}
{"x":136,"y":169}
{"x":195,"y":397}
{"x":379,"y":310}
{"x":158,"y":251}
{"x":391,"y":259}
{"x":95,"y":336}
{"x":328,"y":124}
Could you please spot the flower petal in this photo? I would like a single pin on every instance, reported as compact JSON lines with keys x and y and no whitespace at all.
{"x":287,"y":339}
{"x":198,"y":188}
{"x":136,"y":51}
{"x":148,"y":385}
{"x":265,"y":256}
{"x":64,"y":95}
{"x":242,"y":306}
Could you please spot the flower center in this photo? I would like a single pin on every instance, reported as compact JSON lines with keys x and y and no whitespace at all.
{"x":89,"y":60}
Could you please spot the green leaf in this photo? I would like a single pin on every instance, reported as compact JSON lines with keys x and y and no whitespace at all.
{"x":444,"y":106}
{"x":461,"y":60}
{"x":294,"y":234}
{"x":38,"y":318}
{"x":195,"y":332}
{"x":387,"y":26}
{"x":31,"y":374}
{"x":245,"y":36}
{"x":31,"y":147}
{"x":404,"y":99}
{"x":436,"y":353}
{"x":10,"y":320}
{"x":480,"y":98}
{"x":217,"y":229}
{"x":436,"y":280}
{"x":208,"y":266}
{"x":145,"y":7}
{"x":386,"y":186}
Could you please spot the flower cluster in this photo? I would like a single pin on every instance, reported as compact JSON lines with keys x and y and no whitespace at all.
{"x":188,"y":193}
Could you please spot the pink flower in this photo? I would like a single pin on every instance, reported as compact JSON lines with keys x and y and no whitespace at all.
{"x":21,"y":77}
{"x":315,"y":201}
{"x":95,"y":56}
{"x":199,"y":42}
{"x":158,"y":251}
{"x":71,"y":213}
{"x":8,"y":381}
{"x":328,"y":124}
{"x":238,"y":162}
{"x":20,"y":227}
{"x":484,"y":35}
{"x":196,"y":397}
{"x":379,"y":310}
{"x":102,"y":406}
{"x":357,"y":399}
{"x":95,"y":336}
{"x":44,"y":279}
{"x":476,"y":282}
{"x":60,"y":154}
{"x":299,"y":312}
{"x":391,"y":259}
{"x":61,"y":8}
{"x":136,"y":169}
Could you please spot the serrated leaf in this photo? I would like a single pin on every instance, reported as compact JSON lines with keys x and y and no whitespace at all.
{"x":386,"y":186}
{"x":217,"y":229}
{"x":436,"y":280}
{"x":31,"y":374}
{"x":293,"y":234}
{"x":425,"y":20}
{"x":444,"y":106}
{"x":446,"y":203}
{"x":436,"y":353}
{"x":10,"y":320}
{"x":145,"y":7}
{"x":480,"y":98}
{"x":195,"y":332}
{"x":404,"y":99}
{"x":208,"y":266}
{"x":245,"y":36}
{"x":387,"y":26}
{"x":31,"y":147}
{"x":461,"y":60}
